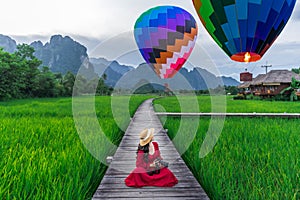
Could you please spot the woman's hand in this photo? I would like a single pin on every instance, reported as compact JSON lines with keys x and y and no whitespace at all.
{"x":155,"y":163}
{"x":152,"y":165}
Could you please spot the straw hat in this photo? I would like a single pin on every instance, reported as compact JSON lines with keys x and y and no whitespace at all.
{"x":146,"y":136}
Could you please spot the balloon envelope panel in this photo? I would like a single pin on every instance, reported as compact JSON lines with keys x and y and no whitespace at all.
{"x":244,"y":26}
{"x":166,"y":36}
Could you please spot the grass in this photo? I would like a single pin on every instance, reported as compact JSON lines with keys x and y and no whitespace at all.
{"x":42,"y":155}
{"x":254,"y":158}
{"x":172,"y":104}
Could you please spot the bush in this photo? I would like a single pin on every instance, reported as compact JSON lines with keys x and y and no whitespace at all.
{"x":239,"y":97}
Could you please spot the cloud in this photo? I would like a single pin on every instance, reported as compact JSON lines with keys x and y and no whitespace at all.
{"x":27,"y":39}
{"x":94,"y":23}
{"x":89,"y":42}
{"x":296,"y":12}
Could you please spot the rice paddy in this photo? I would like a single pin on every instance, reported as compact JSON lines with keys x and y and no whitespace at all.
{"x":254,"y":158}
{"x":42,"y":156}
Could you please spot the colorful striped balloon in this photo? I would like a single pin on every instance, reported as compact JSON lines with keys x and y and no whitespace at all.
{"x":244,"y":29}
{"x":166,"y":36}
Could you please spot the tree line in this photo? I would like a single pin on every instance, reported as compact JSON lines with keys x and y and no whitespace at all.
{"x":22,"y":77}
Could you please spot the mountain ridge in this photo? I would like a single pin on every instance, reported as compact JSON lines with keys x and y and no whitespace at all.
{"x":62,"y":54}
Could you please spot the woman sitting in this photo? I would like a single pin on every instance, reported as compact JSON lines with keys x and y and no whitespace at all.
{"x":150,"y":169}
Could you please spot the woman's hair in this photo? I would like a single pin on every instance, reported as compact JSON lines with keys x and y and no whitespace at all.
{"x":145,"y":149}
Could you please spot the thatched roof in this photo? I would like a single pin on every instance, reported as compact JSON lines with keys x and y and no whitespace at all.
{"x":274,"y":77}
{"x":244,"y":85}
{"x":280,"y":76}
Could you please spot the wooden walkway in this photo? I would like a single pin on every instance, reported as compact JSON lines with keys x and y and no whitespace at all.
{"x":113,"y":186}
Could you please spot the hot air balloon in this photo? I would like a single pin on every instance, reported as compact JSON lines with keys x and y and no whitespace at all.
{"x":244,"y":29}
{"x":166,"y":36}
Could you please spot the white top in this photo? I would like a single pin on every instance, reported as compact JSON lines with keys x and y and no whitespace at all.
{"x":151,"y":148}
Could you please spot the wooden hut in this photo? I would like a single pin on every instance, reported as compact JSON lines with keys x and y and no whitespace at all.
{"x":269,"y":84}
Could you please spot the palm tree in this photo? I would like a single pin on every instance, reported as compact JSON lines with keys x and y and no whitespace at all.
{"x":295,"y":86}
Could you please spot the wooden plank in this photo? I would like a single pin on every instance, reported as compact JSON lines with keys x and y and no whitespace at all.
{"x":119,"y":183}
{"x":156,"y":194}
{"x":112,"y":185}
{"x":114,"y":172}
{"x":271,"y":115}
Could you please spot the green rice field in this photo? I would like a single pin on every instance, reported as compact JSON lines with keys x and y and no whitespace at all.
{"x":42,"y":156}
{"x":254,"y":158}
{"x":171,"y":104}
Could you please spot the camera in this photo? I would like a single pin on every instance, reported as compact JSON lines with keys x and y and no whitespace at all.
{"x":161,"y":162}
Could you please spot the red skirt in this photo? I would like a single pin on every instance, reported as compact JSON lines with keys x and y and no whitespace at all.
{"x":139,"y":178}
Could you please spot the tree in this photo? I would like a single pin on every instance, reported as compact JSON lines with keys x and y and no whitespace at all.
{"x":27,"y":69}
{"x":80,"y":85}
{"x":232,"y":90}
{"x":46,"y":84}
{"x":297,"y":71}
{"x":218,"y":90}
{"x":9,"y":85}
{"x":295,"y":85}
{"x":68,"y":83}
{"x":21,"y":78}
{"x":102,"y":88}
{"x":25,"y":52}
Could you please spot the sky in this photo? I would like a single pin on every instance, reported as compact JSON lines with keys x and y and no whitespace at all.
{"x":106,"y":29}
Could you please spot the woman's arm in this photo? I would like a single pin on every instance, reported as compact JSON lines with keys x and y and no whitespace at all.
{"x":161,"y":163}
{"x":157,"y":151}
